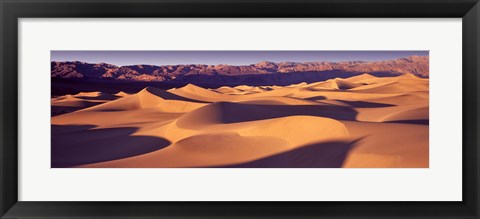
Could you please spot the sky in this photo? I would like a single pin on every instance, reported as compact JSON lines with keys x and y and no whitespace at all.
{"x":121,"y":58}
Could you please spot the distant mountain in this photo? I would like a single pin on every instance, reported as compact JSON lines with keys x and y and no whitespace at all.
{"x":261,"y":73}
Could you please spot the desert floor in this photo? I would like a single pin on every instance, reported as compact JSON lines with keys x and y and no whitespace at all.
{"x":360,"y":122}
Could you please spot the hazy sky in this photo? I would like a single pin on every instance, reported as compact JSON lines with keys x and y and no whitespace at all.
{"x":223,"y":57}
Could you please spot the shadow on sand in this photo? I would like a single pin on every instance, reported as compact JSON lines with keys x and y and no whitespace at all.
{"x":365,"y":104}
{"x":229,"y":112}
{"x":320,"y":155}
{"x":59,"y":110}
{"x":98,"y":144}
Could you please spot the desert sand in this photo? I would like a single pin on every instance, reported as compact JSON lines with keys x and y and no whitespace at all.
{"x":358,"y":122}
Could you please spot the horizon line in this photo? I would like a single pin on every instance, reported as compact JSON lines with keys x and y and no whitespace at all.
{"x":365,"y":61}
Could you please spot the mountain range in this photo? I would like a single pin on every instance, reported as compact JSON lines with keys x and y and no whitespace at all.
{"x":264,"y":72}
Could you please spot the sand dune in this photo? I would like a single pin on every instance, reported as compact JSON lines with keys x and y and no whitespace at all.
{"x":71,"y":103}
{"x":121,"y":94}
{"x":332,"y":84}
{"x":362,"y":121}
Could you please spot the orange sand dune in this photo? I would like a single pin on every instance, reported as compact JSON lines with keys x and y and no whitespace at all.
{"x":70,"y":103}
{"x":358,"y":122}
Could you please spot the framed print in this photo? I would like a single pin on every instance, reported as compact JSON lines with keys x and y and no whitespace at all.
{"x":239,"y":109}
{"x":303,"y":114}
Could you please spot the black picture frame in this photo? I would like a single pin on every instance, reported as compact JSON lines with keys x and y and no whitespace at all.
{"x":11,"y":10}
